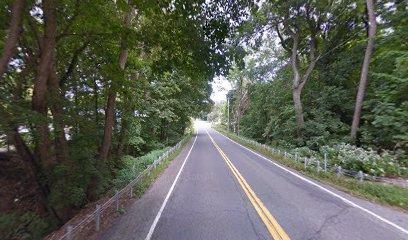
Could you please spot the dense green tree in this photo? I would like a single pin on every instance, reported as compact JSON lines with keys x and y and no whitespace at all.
{"x":301,"y":26}
{"x":327,"y":98}
{"x":85,"y":82}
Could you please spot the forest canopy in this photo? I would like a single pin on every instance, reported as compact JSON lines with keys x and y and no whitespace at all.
{"x":87,"y":85}
{"x":324,"y":75}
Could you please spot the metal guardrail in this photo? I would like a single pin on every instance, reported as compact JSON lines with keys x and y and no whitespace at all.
{"x":112,"y":205}
{"x":324,"y":165}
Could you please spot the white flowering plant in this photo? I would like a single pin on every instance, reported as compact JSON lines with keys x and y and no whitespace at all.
{"x":367,"y":160}
{"x":305,"y":152}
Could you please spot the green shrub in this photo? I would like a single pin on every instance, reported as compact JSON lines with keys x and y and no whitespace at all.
{"x":366,"y":160}
{"x":69,"y":189}
{"x":25,"y":227}
{"x":133,"y":166}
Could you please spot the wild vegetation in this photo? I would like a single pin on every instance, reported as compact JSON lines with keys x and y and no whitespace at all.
{"x":386,"y":194}
{"x":89,"y":88}
{"x":86,"y":87}
{"x":325,"y":76}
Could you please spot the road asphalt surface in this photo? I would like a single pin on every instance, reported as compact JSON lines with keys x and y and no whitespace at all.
{"x":217,"y":189}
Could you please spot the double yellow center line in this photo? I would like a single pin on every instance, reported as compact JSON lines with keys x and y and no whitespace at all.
{"x":270,"y":222}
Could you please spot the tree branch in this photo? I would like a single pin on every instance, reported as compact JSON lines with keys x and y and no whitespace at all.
{"x":312,"y":61}
{"x":73,"y":62}
{"x":284,"y":46}
{"x":294,"y":59}
{"x":34,"y":30}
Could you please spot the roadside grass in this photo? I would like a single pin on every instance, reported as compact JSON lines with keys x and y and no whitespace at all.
{"x":146,"y":181}
{"x":389,"y":195}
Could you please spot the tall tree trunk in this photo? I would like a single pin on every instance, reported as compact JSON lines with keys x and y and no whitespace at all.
{"x":31,"y":169}
{"x":298,"y":111}
{"x":122,"y":135}
{"x":39,"y":103}
{"x":372,"y":27}
{"x":110,"y":105}
{"x":297,"y":86}
{"x":40,"y":90}
{"x":31,"y":166}
{"x":124,"y":121}
{"x":56,"y":97}
{"x":13,"y":35}
{"x":108,"y":129}
{"x":300,"y":81}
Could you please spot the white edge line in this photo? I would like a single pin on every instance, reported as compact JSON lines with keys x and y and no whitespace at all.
{"x":321,"y":187}
{"x":156,"y":220}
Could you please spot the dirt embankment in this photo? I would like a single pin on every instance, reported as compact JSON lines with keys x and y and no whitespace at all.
{"x":19,"y":212}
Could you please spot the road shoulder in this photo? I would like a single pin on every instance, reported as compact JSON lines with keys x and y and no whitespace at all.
{"x":136,"y":222}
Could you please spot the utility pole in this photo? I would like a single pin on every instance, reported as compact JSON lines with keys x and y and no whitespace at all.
{"x":228,"y":114}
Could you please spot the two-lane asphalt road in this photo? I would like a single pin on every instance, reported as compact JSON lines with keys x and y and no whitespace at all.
{"x":217,"y":189}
